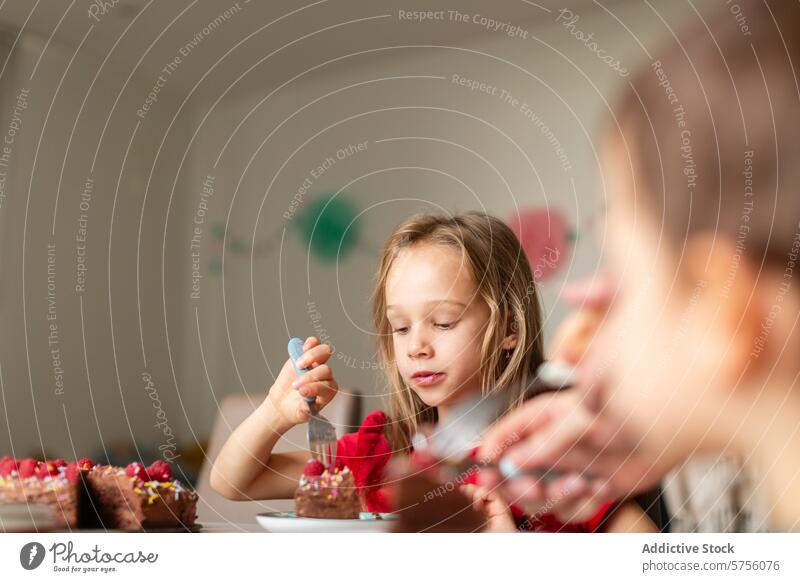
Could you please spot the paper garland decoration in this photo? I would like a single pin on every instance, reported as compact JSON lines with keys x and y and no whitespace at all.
{"x":329,"y":227}
{"x":545,"y":237}
{"x":327,"y":224}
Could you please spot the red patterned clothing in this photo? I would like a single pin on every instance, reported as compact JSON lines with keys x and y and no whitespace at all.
{"x":367,"y":453}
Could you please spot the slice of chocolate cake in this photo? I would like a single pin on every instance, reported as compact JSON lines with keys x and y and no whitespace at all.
{"x":83,"y":495}
{"x":327,"y":493}
{"x":431,"y":499}
{"x":52,"y":483}
{"x":137,"y":498}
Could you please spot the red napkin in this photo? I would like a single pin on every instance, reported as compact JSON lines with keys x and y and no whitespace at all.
{"x":366,"y":453}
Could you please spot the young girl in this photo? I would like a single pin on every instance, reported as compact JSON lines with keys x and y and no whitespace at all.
{"x":457,"y":314}
{"x":698,"y":354}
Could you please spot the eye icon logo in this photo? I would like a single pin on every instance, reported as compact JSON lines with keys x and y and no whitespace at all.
{"x":31,"y":555}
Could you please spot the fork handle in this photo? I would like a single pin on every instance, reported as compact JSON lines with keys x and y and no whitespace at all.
{"x":295,"y":351}
{"x":312,"y":404}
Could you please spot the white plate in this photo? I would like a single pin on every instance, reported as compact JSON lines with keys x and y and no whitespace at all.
{"x":27,"y":517}
{"x":288,"y":522}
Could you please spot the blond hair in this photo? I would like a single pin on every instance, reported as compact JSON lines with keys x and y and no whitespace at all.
{"x":504,"y":281}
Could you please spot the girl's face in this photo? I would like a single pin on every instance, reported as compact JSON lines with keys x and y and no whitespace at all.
{"x":437,"y":321}
{"x":660,"y":353}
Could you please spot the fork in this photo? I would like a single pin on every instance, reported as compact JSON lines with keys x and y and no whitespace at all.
{"x":452,"y":441}
{"x":321,"y":433}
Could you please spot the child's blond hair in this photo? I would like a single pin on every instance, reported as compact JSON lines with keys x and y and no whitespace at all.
{"x":504,"y":281}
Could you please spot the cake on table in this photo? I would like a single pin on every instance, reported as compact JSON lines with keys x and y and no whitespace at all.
{"x":135,"y":497}
{"x":52,"y":483}
{"x":85,"y":495}
{"x":327,"y":492}
{"x":429,"y":492}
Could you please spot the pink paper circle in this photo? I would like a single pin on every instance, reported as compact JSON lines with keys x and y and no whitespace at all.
{"x":545,"y":237}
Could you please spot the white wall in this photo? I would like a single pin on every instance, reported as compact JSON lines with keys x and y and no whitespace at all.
{"x":559,"y":78}
{"x":553,"y":72}
{"x":76,"y":421}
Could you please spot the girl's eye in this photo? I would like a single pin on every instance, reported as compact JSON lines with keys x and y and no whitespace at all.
{"x":400,"y":330}
{"x":445,"y":325}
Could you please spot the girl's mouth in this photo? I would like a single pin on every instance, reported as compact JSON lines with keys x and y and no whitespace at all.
{"x":428,"y":379}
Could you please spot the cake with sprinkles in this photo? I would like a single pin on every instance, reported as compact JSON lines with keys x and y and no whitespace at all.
{"x":85,"y":495}
{"x":327,"y":492}
{"x":137,"y":498}
{"x":52,"y":483}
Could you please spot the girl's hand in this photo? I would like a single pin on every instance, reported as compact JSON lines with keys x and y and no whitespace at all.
{"x":538,"y":434}
{"x":497,"y":512}
{"x":286,"y":394}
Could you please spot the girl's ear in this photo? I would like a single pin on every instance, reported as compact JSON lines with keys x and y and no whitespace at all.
{"x":510,"y":341}
{"x":734,"y":299}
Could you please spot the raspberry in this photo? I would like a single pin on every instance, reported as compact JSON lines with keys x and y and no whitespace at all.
{"x":159,"y":471}
{"x":28,"y":467}
{"x":50,"y":467}
{"x":85,"y":463}
{"x":72,"y":472}
{"x":8,"y":464}
{"x":137,"y":470}
{"x":74,"y":469}
{"x":313,"y":468}
{"x":423,"y":459}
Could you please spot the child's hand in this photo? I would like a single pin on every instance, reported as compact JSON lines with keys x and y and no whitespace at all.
{"x":496,"y":511}
{"x":286,"y":394}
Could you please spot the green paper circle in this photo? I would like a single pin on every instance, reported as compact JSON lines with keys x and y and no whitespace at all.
{"x":328,"y":226}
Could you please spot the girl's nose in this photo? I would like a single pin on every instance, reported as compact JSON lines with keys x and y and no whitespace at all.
{"x":419,"y":347}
